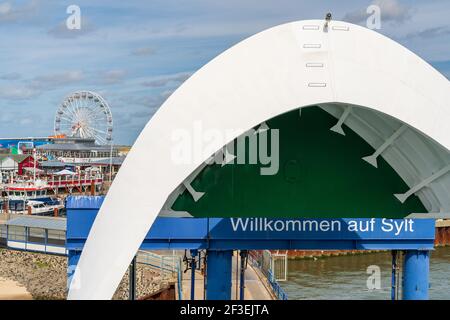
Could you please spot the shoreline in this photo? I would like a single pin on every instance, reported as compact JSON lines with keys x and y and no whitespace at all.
{"x":13,"y":290}
{"x":29,"y":275}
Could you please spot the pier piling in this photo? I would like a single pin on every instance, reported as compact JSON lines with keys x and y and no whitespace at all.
{"x":219,"y":275}
{"x":416,"y":269}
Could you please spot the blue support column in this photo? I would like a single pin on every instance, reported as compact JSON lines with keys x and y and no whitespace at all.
{"x":219,"y":275}
{"x":193,"y":264}
{"x":394,"y":276}
{"x":74,"y":257}
{"x":243,"y":255}
{"x":416,"y":270}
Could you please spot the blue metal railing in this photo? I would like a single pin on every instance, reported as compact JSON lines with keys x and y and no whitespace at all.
{"x":180,"y":281}
{"x":163,"y":263}
{"x":277,"y":289}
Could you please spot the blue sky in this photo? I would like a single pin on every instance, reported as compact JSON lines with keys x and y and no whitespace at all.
{"x":135,"y":53}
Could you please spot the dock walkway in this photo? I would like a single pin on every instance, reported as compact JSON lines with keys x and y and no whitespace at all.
{"x":255,"y":287}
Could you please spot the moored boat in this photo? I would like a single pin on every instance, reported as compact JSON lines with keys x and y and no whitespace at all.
{"x":29,"y":197}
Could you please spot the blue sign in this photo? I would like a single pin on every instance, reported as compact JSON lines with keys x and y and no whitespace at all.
{"x":318,"y":229}
{"x":264,"y":233}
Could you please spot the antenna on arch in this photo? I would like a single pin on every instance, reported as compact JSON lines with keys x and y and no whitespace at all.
{"x":328,"y":17}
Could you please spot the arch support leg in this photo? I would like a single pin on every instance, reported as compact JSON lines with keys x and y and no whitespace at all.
{"x":416,"y":271}
{"x":218,"y":285}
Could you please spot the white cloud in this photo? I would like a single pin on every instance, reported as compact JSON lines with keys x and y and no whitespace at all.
{"x":26,"y":121}
{"x":62,"y":32}
{"x":146,"y":51}
{"x":429,"y":33}
{"x":10,"y":13}
{"x":391,"y":11}
{"x":54,"y":80}
{"x":163,"y":81}
{"x":18,"y":92}
{"x":5,"y":9}
{"x":11,"y":76}
{"x":112,"y":76}
{"x":36,"y":86}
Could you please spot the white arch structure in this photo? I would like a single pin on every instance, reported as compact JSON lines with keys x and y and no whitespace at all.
{"x":280,"y":69}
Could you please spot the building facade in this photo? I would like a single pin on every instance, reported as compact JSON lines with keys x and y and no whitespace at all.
{"x":75,"y":150}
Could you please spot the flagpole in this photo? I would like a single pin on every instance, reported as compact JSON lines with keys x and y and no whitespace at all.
{"x":34,"y":165}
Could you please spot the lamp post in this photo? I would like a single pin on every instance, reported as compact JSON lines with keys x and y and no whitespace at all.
{"x":110,"y":162}
{"x":34,"y":165}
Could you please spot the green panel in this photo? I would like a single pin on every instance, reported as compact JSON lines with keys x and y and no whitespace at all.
{"x":321,"y":175}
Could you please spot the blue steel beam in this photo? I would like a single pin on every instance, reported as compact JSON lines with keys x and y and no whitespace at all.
{"x":193,"y":233}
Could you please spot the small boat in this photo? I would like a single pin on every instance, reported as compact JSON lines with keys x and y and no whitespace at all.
{"x":43,"y":208}
{"x":26,"y":190}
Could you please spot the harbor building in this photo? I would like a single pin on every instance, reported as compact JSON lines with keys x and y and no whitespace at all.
{"x":58,"y":152}
{"x":39,"y":234}
{"x":22,"y":145}
{"x":76,"y":150}
{"x":14,"y":164}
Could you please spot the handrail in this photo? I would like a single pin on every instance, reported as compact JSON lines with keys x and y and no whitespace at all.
{"x":164,"y":263}
{"x":180,"y":280}
{"x":167,"y":264}
{"x":276,"y":288}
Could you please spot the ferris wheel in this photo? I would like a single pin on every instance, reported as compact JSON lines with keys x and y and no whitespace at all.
{"x":85,"y":114}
